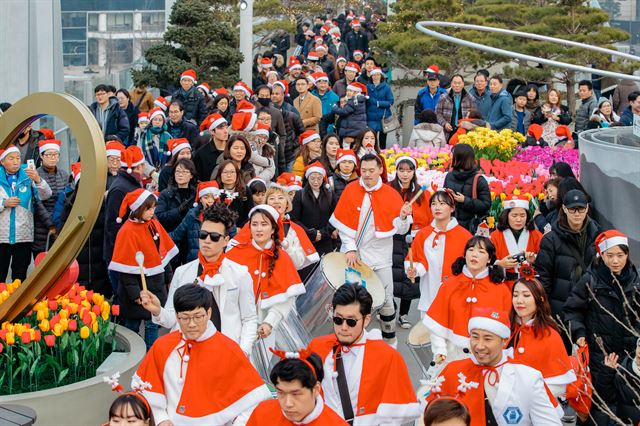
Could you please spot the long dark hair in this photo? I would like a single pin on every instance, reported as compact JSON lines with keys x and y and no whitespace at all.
{"x":496,"y":273}
{"x":543,"y":318}
{"x":187,"y":164}
{"x":239,"y":186}
{"x":227,"y":149}
{"x":413,"y":185}
{"x":357,"y":143}
{"x":276,"y":237}
{"x":464,"y":157}
{"x":324,"y":159}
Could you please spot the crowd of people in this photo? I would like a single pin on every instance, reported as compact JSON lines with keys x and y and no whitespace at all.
{"x":255,"y":183}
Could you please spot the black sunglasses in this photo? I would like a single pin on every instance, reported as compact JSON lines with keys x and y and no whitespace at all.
{"x":350,"y":321}
{"x":213,"y":236}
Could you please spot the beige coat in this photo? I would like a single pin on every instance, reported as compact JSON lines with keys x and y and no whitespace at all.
{"x":310,"y":109}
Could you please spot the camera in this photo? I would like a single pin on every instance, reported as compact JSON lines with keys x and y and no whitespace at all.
{"x":519,"y":257}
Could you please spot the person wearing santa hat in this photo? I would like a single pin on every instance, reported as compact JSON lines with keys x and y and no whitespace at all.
{"x":356,"y":39}
{"x":338,"y":71}
{"x":434,"y":250}
{"x":19,"y":185}
{"x":367,"y":382}
{"x":233,"y":305}
{"x":177,"y":198}
{"x":429,"y":96}
{"x":327,"y":97}
{"x":496,"y":390}
{"x":178,"y":127}
{"x":192,"y":100}
{"x":206,"y":157}
{"x":206,"y":92}
{"x":290,"y":183}
{"x":110,"y":117}
{"x":515,"y":238}
{"x":352,"y":113}
{"x":141,"y":233}
{"x":196,"y":375}
{"x":351,"y":71}
{"x":262,"y":153}
{"x":297,"y":378}
{"x":115,"y":152}
{"x":241,"y":92}
{"x":475,"y":282}
{"x":307,"y":104}
{"x":601,"y":311}
{"x":153,"y":141}
{"x":367,"y":216}
{"x":178,"y":149}
{"x":310,"y":150}
{"x":57,"y":179}
{"x":535,"y":338}
{"x":345,"y":173}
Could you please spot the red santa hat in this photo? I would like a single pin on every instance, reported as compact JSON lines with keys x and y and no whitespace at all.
{"x":220,"y":91}
{"x":156,"y":112}
{"x":267,"y":209}
{"x":358,"y":87}
{"x":321,"y":47}
{"x":206,"y":188}
{"x":205,"y":88}
{"x":263,"y":129}
{"x":212,"y":121}
{"x":324,"y":28}
{"x":309,"y":33}
{"x":241,"y":85}
{"x":308,"y":136}
{"x":375,"y":71}
{"x":47,"y":133}
{"x":406,"y":158}
{"x":245,"y":106}
{"x":335,"y":32}
{"x":318,"y":40}
{"x":133,"y":157}
{"x":352,"y":66}
{"x":177,"y":145}
{"x":516,"y":201}
{"x":294,"y":64}
{"x":362,"y":18}
{"x":341,"y":59}
{"x":432,"y":69}
{"x":243,"y":121}
{"x":355,"y":23}
{"x":290,"y":181}
{"x":609,"y":239}
{"x":284,"y":84}
{"x":346,"y":155}
{"x":491,"y":320}
{"x":189,"y":75}
{"x":161,"y":103}
{"x":143,"y":117}
{"x":266,"y":63}
{"x":564,"y":133}
{"x":358,"y":52}
{"x":75,"y":172}
{"x":315,"y":167}
{"x":9,"y":150}
{"x":115,"y":149}
{"x":133,"y":200}
{"x":312,"y":56}
{"x":319,"y":76}
{"x":47,"y":144}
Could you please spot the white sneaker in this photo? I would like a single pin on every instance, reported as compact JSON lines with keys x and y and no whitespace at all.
{"x":403,"y":320}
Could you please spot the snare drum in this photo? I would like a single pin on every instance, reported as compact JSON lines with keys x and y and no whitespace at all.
{"x":314,"y":306}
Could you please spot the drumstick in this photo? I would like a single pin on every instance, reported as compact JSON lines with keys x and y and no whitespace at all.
{"x":418,"y":194}
{"x":140,"y":260}
{"x":409,"y":240}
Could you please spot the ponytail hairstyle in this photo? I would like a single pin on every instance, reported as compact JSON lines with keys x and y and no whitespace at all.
{"x":496,"y":273}
{"x":276,"y":237}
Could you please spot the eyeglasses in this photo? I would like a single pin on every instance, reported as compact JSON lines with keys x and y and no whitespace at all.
{"x":213,"y":236}
{"x":51,"y":155}
{"x":575,"y":210}
{"x":351,"y":322}
{"x":185,"y":319}
{"x":182,"y":172}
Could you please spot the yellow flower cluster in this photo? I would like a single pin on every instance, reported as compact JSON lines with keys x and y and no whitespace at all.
{"x":426,"y":161}
{"x":7,"y":289}
{"x":492,"y":144}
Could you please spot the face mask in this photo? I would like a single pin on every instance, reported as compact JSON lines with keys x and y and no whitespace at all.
{"x":264,"y":101}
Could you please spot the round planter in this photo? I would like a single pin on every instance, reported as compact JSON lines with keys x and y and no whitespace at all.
{"x":86,"y":402}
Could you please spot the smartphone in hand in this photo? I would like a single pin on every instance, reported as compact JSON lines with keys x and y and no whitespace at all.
{"x":31,"y":164}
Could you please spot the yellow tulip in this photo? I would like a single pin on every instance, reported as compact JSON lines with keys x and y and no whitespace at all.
{"x":44,"y":325}
{"x":64,"y":322}
{"x":57,"y":330}
{"x":516,"y":191}
{"x":64,"y":313}
{"x":10,"y":338}
{"x":84,"y":332}
{"x":94,"y":327}
{"x":503,"y":196}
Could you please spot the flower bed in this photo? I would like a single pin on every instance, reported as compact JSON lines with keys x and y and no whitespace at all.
{"x":491,"y":144}
{"x":58,"y":342}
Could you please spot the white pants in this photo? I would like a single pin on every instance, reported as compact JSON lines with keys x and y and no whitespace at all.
{"x":385,"y":275}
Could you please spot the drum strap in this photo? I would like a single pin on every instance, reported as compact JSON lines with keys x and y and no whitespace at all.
{"x":343,"y":388}
{"x":367,"y":218}
{"x":216,"y":318}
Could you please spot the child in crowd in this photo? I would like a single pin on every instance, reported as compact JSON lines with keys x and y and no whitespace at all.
{"x":258,"y":189}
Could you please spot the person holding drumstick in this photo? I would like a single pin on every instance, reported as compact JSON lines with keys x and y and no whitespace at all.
{"x":276,"y":282}
{"x":367,"y":217}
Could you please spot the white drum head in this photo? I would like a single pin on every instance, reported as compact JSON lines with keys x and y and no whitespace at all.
{"x":418,"y":335}
{"x":334,"y":265}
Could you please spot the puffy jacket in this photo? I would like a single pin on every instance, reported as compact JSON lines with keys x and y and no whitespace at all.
{"x":626,"y":118}
{"x":425,"y":100}
{"x":328,"y":100}
{"x":117,"y":122}
{"x":172,"y":208}
{"x":538,"y":116}
{"x":501,"y":110}
{"x":597,"y":308}
{"x":483,"y":103}
{"x":288,"y":149}
{"x":132,"y":116}
{"x":121,"y":186}
{"x":353,"y":115}
{"x":427,"y":135}
{"x":563,"y":258}
{"x":183,"y":129}
{"x":403,"y":288}
{"x":379,"y":104}
{"x":195,"y":108}
{"x":623,"y":383}
{"x":584,"y":112}
{"x":313,"y":215}
{"x":472,"y":209}
{"x":338,"y":183}
{"x":187,"y":232}
{"x":57,"y":182}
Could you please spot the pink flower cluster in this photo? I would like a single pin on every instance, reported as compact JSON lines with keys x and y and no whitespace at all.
{"x":542,"y":158}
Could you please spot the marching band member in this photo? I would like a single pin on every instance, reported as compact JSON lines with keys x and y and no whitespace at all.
{"x":196,"y":375}
{"x":406,"y":183}
{"x":233,"y":307}
{"x":367,"y":216}
{"x":515,"y":235}
{"x":297,"y":378}
{"x":435,"y":249}
{"x":275,"y":280}
{"x":143,"y":233}
{"x":475,"y":284}
{"x":369,"y":383}
{"x":535,"y":339}
{"x":496,"y":390}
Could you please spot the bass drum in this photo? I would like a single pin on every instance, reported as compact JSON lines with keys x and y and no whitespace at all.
{"x":314,"y":306}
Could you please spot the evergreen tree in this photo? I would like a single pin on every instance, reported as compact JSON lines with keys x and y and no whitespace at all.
{"x":202,"y":35}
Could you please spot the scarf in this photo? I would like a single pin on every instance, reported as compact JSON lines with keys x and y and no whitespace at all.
{"x":210,"y":269}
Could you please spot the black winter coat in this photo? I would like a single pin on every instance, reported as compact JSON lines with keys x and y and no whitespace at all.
{"x":623,"y":383}
{"x":117,"y":121}
{"x":172,"y":208}
{"x":44,"y":218}
{"x":403,"y":288}
{"x":121,"y":186}
{"x":32,"y":151}
{"x":353,"y":116}
{"x":193,"y":102}
{"x":597,"y":308}
{"x":129,"y":287}
{"x":132,"y":112}
{"x":183,"y":129}
{"x":469,"y":212}
{"x":313,"y":215}
{"x":288,"y":148}
{"x":338,"y":183}
{"x":562,"y":260}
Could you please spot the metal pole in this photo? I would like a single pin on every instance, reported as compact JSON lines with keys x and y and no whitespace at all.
{"x":246,"y":40}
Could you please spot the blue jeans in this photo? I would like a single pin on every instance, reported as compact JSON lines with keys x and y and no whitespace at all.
{"x":113,"y":279}
{"x":150,"y":330}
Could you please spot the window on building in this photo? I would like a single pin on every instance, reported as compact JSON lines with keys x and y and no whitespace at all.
{"x":74,"y":20}
{"x":92,"y":52}
{"x":74,"y":47}
{"x":74,"y":60}
{"x":119,"y":52}
{"x":152,"y":21}
{"x":119,"y":22}
{"x":92,"y":24}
